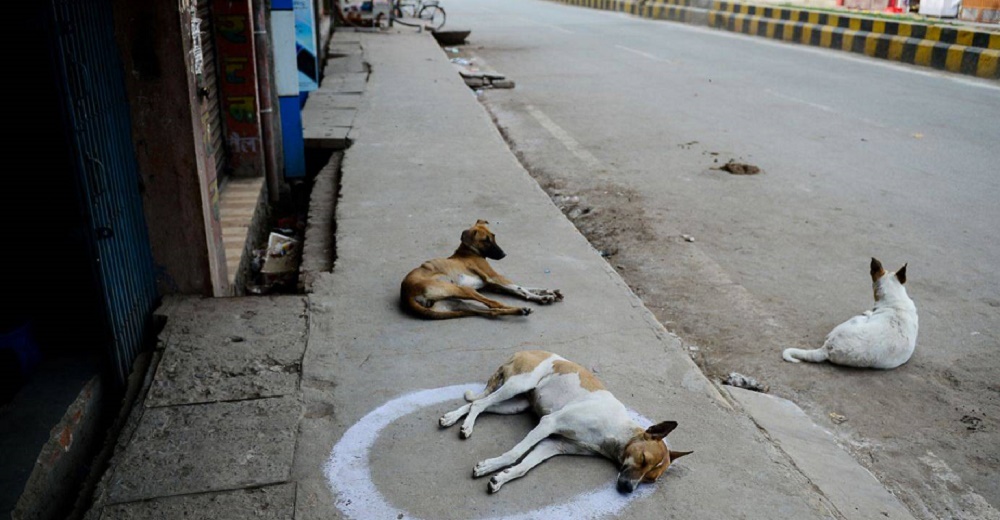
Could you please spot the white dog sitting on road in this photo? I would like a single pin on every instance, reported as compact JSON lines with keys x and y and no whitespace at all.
{"x":883,"y":337}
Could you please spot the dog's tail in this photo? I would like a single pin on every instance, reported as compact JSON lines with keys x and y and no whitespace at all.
{"x":794,"y":355}
{"x":496,"y":381}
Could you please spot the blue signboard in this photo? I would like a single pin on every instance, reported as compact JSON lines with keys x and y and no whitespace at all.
{"x":305,"y":45}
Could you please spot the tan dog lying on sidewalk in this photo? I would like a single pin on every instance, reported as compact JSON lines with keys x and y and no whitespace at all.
{"x":438,"y":288}
{"x":578,"y":417}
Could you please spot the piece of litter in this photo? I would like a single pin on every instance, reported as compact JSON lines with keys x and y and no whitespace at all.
{"x":258,"y":289}
{"x":737,"y":168}
{"x":918,"y":135}
{"x":837,"y":418}
{"x":281,"y":254}
{"x":746,"y":382}
{"x":973,"y":423}
{"x":688,"y":238}
{"x":693,"y":348}
{"x":475,"y":82}
{"x":451,"y":50}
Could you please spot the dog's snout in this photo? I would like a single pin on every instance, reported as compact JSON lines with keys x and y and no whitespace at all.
{"x":626,"y":485}
{"x":496,"y":253}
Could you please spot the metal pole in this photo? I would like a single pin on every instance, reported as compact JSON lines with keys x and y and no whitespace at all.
{"x":269,"y":109}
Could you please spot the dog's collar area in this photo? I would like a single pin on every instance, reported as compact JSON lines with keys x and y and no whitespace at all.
{"x":465,"y":250}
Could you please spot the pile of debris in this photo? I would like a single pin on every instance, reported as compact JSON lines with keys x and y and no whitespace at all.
{"x":741,"y":381}
{"x":274,"y":269}
{"x":476,"y":74}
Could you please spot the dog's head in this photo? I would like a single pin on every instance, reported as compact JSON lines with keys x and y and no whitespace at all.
{"x":646,"y":457}
{"x":481,"y":241}
{"x":884,"y":281}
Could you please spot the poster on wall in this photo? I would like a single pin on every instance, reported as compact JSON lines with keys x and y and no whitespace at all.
{"x":238,"y":86}
{"x":305,"y":45}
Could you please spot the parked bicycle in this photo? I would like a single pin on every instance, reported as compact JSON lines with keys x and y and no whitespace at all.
{"x":427,"y":13}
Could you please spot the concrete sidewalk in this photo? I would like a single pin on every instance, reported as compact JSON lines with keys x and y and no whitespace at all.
{"x":263,"y":407}
{"x":425,"y":164}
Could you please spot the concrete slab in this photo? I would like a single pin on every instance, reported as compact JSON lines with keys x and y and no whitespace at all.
{"x":324,"y":99}
{"x":326,"y":137}
{"x":139,"y":383}
{"x":854,"y":491}
{"x":327,"y":117}
{"x":313,"y":500}
{"x":264,"y":503}
{"x":342,"y":64}
{"x":342,"y":46}
{"x":229,"y":349}
{"x":345,"y":83}
{"x":207,"y":447}
{"x":317,"y":432}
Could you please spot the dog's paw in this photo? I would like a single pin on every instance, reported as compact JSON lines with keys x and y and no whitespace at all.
{"x":484,"y":468}
{"x":495,"y":484}
{"x":465,"y":432}
{"x":547,"y":296}
{"x":526,"y":311}
{"x":448,"y":419}
{"x":546,"y":299}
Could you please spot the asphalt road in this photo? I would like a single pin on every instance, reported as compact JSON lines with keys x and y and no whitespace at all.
{"x":860,"y":158}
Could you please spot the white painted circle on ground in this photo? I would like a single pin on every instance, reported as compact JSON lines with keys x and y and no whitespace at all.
{"x":349,"y":476}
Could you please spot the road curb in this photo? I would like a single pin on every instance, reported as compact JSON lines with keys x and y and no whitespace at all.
{"x":963,"y":51}
{"x":852,"y":490}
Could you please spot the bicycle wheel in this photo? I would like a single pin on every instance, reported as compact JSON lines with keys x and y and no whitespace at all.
{"x":433,"y":16}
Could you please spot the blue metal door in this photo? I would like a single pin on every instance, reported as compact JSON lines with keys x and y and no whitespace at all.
{"x":93,"y":89}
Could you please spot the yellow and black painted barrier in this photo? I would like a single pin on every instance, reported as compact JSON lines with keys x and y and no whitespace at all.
{"x":961,"y":50}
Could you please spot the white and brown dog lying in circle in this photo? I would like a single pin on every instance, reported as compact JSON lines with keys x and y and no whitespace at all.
{"x":440,"y":288}
{"x":578,"y":417}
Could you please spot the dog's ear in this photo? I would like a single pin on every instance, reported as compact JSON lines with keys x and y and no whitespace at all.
{"x":877,"y":270}
{"x":674,"y":455}
{"x":661,"y":430}
{"x":468,"y":239}
{"x":481,"y":222}
{"x":901,"y":275}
